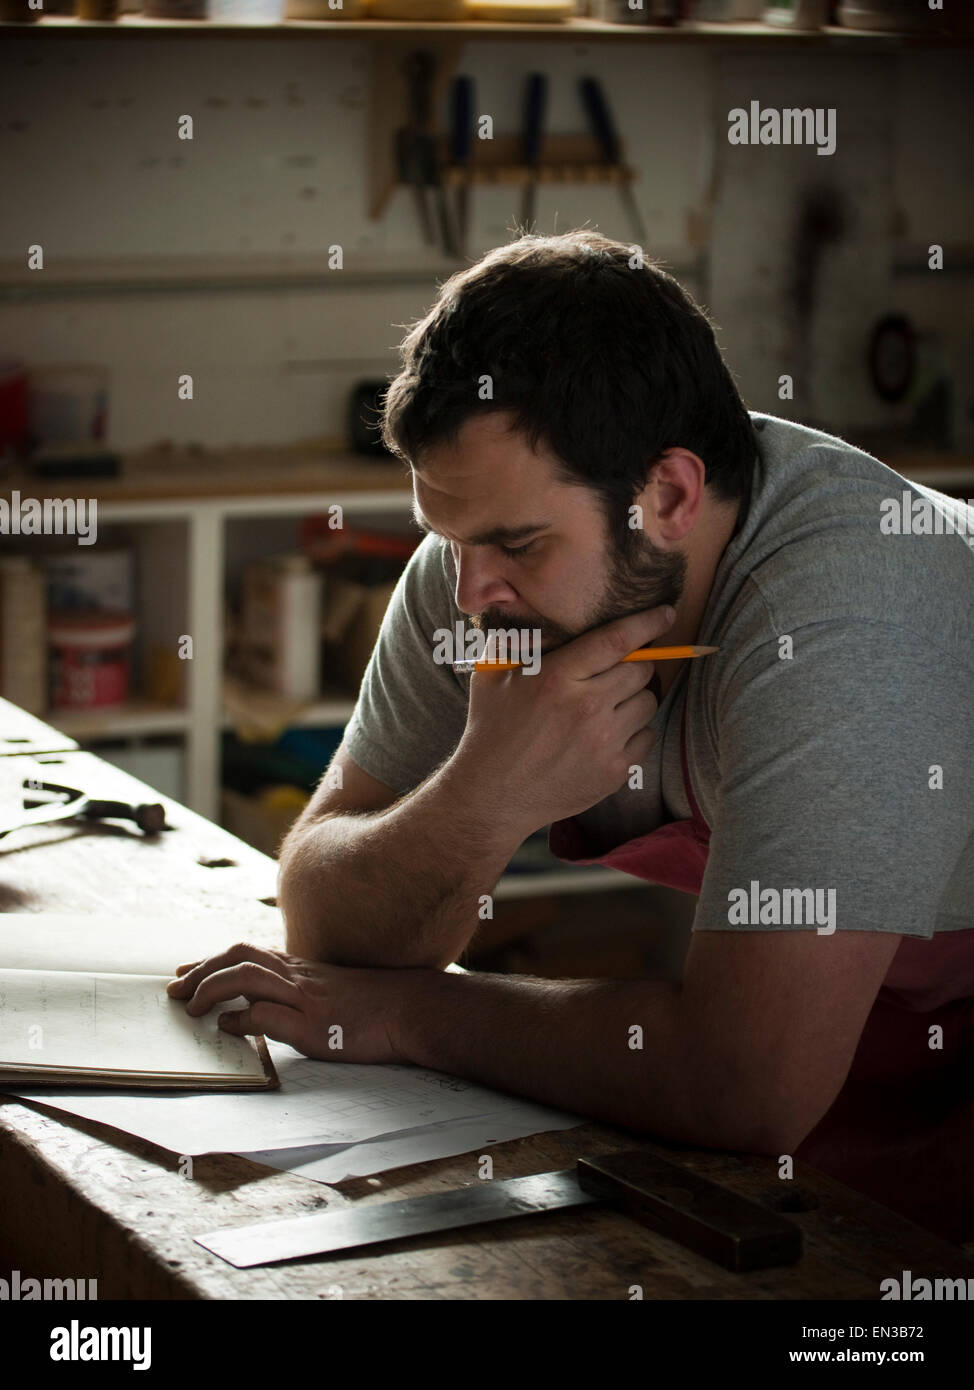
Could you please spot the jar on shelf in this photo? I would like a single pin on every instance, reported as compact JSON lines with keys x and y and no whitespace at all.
{"x":90,"y":658}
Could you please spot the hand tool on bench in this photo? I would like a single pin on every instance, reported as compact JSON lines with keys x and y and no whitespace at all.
{"x":711,"y":1220}
{"x":150,"y":819}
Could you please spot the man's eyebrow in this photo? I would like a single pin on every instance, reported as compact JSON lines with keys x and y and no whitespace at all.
{"x":497,"y":535}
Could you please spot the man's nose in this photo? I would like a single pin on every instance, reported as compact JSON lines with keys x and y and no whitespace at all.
{"x":480,"y":583}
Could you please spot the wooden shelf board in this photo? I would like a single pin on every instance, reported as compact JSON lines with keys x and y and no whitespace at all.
{"x":331,"y":708}
{"x":135,"y":718}
{"x":183,"y":474}
{"x":284,"y":478}
{"x":571,"y":30}
{"x":95,"y":275}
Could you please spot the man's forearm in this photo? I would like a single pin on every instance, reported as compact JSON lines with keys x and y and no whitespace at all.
{"x":400,"y":887}
{"x":571,"y":1044}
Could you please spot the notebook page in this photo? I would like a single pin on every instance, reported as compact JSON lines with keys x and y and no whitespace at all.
{"x":112,"y":1022}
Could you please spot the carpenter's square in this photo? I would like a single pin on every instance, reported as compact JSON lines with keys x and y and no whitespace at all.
{"x":731,"y":1230}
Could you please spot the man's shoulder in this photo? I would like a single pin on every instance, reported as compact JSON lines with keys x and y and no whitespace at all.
{"x":814,"y":549}
{"x":780,"y":439}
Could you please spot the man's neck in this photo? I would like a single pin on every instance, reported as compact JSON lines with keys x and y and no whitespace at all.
{"x":709,"y":543}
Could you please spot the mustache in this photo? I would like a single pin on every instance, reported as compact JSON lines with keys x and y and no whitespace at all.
{"x":552,"y":633}
{"x":640,"y":577}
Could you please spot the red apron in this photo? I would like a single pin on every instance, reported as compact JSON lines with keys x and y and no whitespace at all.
{"x":901,"y":1130}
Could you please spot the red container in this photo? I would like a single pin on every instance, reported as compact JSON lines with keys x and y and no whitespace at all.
{"x":13,"y":408}
{"x":90,"y":658}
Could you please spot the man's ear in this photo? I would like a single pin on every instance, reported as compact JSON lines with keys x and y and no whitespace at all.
{"x":675,"y":493}
{"x":644,"y":502}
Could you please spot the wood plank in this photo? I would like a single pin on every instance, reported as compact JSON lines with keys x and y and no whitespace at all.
{"x":21,"y":733}
{"x":175,"y":472}
{"x":170,"y":472}
{"x":571,"y":30}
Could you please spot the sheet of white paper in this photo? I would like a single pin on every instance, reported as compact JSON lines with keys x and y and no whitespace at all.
{"x":318,"y":1103}
{"x":136,"y":946}
{"x":110,"y":1022}
{"x":334,"y":1163}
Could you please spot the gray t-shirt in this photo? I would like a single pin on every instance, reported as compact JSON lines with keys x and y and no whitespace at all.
{"x":817,"y":771}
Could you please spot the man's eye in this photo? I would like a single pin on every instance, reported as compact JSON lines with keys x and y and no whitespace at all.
{"x":517,"y":549}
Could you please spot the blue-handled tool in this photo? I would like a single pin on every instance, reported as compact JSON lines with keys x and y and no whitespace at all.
{"x":603,"y":128}
{"x":535,"y":104}
{"x":461,"y":117}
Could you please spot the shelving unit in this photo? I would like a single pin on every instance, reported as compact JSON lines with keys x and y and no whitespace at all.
{"x":203,"y":720}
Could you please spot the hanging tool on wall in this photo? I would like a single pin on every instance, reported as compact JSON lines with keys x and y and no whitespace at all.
{"x":535,"y":104}
{"x":603,"y":128}
{"x":461,"y":136}
{"x":416,"y":153}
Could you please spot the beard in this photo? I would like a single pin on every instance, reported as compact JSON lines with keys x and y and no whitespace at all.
{"x":640,"y":577}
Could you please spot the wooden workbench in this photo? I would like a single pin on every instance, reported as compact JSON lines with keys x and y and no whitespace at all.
{"x":81,"y":1200}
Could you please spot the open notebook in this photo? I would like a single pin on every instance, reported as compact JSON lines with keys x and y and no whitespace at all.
{"x":83,"y":1002}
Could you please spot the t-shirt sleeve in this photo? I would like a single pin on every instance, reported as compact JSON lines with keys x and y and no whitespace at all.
{"x":828,"y":780}
{"x":411,"y":711}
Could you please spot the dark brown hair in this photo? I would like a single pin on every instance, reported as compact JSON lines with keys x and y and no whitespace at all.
{"x":606,"y":364}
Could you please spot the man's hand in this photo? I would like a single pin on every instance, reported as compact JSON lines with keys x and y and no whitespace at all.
{"x":299,"y":1002}
{"x":542,"y":747}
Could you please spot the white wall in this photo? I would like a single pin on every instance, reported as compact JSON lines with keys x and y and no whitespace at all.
{"x":91,"y":168}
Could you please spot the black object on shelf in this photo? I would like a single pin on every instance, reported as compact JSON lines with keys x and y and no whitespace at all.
{"x":75,"y":462}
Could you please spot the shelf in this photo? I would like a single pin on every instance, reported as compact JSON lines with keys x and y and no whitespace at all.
{"x":284,"y":479}
{"x":931,"y":468}
{"x":332,"y":708}
{"x":568,"y":31}
{"x":140,"y":275}
{"x":132,"y":720}
{"x":290,"y":480}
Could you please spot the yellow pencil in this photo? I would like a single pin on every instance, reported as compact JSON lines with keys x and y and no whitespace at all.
{"x":642,"y":654}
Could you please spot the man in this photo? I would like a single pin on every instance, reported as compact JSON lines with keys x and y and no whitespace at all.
{"x":586,"y":470}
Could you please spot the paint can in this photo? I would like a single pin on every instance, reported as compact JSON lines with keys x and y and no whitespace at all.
{"x":14,"y":427}
{"x":90,"y":658}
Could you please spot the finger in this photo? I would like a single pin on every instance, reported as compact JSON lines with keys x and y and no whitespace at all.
{"x":636,"y":712}
{"x":192,"y":974}
{"x":272,"y":1020}
{"x":639,"y":747}
{"x":605,"y":646}
{"x":252,"y":981}
{"x":623,"y":680}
